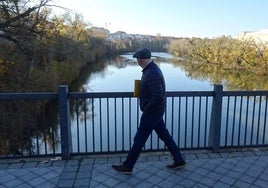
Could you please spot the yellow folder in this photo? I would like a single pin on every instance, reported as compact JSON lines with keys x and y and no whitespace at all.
{"x":137,"y":84}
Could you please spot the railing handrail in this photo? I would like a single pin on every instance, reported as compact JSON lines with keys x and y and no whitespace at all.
{"x":245,"y":93}
{"x":83,"y":95}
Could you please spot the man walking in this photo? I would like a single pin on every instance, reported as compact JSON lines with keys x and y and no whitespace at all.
{"x":152,"y":104}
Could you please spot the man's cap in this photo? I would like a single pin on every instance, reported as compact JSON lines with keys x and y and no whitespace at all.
{"x":143,"y":53}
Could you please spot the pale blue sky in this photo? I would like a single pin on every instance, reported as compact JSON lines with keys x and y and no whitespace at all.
{"x":179,"y":18}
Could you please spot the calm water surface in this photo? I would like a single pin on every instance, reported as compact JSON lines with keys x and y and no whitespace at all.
{"x":119,"y":75}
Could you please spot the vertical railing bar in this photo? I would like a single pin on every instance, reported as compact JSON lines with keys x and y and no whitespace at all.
{"x":179,"y":120}
{"x":130,"y":120}
{"x":123,"y":125}
{"x":29,"y":130}
{"x":193,"y":117}
{"x":234,"y":115}
{"x":115,"y":125}
{"x":240,"y":117}
{"x":216,"y":118}
{"x":165,"y":120}
{"x":186,"y":122}
{"x":172,"y":117}
{"x":65,"y":124}
{"x":11,"y":128}
{"x":20,"y":126}
{"x":199,"y":123}
{"x":246,"y":127}
{"x":53,"y":130}
{"x":259,"y":114}
{"x":138,"y":114}
{"x":206,"y":124}
{"x":93,"y":124}
{"x":100,"y":111}
{"x":108,"y":124}
{"x":85,"y":123}
{"x":227,"y":120}
{"x":265,"y":118}
{"x":77,"y":124}
{"x":44,"y":126}
{"x":36,"y":128}
{"x":253,"y":119}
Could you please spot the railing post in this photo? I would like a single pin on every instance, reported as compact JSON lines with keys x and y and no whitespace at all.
{"x":65,"y":126}
{"x":215,"y":124}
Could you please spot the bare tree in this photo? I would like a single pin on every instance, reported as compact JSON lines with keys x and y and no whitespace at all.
{"x":21,"y":20}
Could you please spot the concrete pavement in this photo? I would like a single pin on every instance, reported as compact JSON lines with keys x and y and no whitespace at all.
{"x":244,"y":168}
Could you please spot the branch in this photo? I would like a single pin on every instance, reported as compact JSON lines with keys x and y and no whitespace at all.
{"x":25,"y":14}
{"x":10,"y":39}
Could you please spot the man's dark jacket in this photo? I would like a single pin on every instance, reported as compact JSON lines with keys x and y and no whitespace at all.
{"x":153,"y":90}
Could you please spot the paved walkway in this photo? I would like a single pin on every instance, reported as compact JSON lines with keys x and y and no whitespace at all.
{"x":204,"y":169}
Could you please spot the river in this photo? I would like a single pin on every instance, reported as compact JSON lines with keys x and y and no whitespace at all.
{"x":119,"y":75}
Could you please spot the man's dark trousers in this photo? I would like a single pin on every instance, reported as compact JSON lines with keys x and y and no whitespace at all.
{"x":148,"y":123}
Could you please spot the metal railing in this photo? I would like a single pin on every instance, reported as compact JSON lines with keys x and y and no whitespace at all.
{"x":70,"y":123}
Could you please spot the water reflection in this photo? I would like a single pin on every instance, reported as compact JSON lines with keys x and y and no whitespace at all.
{"x":29,"y":127}
{"x":230,"y":79}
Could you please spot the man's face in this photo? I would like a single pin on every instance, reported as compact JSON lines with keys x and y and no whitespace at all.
{"x":139,"y":60}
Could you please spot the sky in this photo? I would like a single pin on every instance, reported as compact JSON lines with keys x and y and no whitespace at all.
{"x":177,"y":18}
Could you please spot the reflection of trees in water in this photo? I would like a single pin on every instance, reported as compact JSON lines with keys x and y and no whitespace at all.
{"x":81,"y":109}
{"x":99,"y":67}
{"x":31,"y":127}
{"x":85,"y":73}
{"x":28,"y":127}
{"x":231,"y":79}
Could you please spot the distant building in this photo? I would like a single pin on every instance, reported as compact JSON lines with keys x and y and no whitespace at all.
{"x":260,"y":36}
{"x":100,"y":32}
{"x":119,"y":35}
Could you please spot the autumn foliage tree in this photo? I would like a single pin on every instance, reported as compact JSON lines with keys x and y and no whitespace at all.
{"x":226,"y":52}
{"x":38,"y":50}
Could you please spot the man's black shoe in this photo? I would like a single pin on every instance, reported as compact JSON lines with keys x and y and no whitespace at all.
{"x":122,"y":169}
{"x":177,"y":165}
